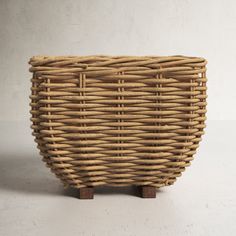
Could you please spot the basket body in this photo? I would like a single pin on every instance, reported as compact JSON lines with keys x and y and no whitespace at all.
{"x":101,"y":120}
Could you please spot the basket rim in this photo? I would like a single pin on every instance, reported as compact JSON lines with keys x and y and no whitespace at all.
{"x":83,"y":58}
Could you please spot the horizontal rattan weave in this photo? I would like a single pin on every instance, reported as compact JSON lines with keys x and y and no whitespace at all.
{"x":101,"y":120}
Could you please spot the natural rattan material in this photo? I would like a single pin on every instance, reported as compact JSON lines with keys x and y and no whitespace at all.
{"x":101,"y":120}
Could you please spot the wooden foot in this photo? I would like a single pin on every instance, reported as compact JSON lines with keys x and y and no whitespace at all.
{"x":86,"y":193}
{"x":148,"y":192}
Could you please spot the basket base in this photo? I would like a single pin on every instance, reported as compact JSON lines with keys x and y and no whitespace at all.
{"x":144,"y":192}
{"x":147,"y":192}
{"x":86,"y":193}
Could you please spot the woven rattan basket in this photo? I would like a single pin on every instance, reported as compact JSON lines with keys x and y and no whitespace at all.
{"x":101,"y":120}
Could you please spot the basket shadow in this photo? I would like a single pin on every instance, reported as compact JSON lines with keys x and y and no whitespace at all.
{"x":27,"y":174}
{"x":131,"y":191}
{"x":105,"y":190}
{"x":22,"y":173}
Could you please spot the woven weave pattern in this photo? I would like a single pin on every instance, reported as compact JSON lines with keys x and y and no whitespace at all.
{"x":101,"y":120}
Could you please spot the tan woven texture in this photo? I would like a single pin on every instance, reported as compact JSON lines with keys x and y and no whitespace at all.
{"x":101,"y":120}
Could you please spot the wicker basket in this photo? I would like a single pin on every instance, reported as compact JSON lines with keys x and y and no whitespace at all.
{"x":101,"y":120}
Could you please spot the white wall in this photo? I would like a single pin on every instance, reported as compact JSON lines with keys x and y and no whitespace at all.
{"x":136,"y":27}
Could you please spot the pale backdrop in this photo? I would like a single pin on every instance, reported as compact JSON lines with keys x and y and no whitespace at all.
{"x":134,"y":27}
